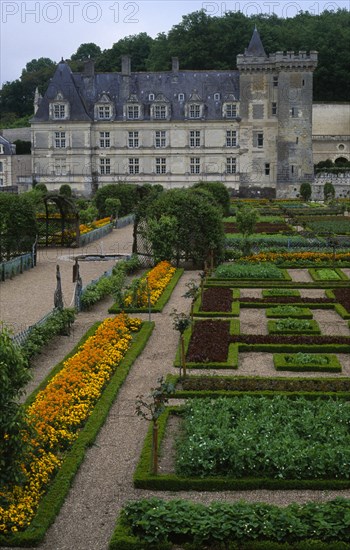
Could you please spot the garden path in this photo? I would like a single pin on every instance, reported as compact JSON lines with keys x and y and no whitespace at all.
{"x":26,"y":298}
{"x":104,"y":482}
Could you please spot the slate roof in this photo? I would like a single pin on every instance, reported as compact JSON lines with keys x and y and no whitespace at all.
{"x":8,"y":147}
{"x":83,"y":92}
{"x":255,"y":47}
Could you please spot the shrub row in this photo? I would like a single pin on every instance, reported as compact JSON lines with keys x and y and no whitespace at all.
{"x":157,"y":524}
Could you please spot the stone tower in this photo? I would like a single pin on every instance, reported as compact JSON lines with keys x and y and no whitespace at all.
{"x":276,"y":113}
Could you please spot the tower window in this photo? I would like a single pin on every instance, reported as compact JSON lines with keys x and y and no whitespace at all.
{"x":267,"y":168}
{"x":275,"y":81}
{"x":274,"y":108}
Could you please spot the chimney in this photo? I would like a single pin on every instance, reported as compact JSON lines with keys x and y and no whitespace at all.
{"x":89,"y":68}
{"x":126,"y":65}
{"x":37,"y":99}
{"x":175,"y":64}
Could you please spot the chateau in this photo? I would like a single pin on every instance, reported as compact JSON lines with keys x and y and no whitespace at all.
{"x":250,"y":128}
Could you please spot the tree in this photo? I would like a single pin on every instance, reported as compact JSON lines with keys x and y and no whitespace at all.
{"x":305,"y":191}
{"x":151,"y":410}
{"x":219,"y":192}
{"x":23,"y":147}
{"x":14,"y":445}
{"x":328,"y":191}
{"x":181,"y":322}
{"x":198,"y":227}
{"x":246,"y":219}
{"x":66,"y":190}
{"x":87,"y":51}
{"x":126,"y":193}
{"x":162,"y":234}
{"x":17,"y":225}
{"x":112,"y":207}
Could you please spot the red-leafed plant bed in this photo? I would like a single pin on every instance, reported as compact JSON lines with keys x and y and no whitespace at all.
{"x":209,"y":342}
{"x":287,"y":300}
{"x":343,"y":297}
{"x":217,"y":299}
{"x":290,"y":339}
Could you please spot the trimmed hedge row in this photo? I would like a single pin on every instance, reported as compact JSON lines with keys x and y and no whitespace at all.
{"x":144,"y":479}
{"x":58,"y":489}
{"x":281,"y":363}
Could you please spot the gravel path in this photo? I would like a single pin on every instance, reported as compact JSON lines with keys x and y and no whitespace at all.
{"x":104,"y":482}
{"x":26,"y":298}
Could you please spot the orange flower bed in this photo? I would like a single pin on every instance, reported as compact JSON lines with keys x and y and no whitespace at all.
{"x":152,"y":284}
{"x":60,"y":410}
{"x":298,"y":257}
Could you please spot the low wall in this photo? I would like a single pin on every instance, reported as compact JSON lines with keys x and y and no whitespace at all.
{"x":341,"y":183}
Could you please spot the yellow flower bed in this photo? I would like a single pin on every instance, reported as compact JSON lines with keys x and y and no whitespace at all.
{"x":152,"y":284}
{"x":60,"y":410}
{"x":316,"y":257}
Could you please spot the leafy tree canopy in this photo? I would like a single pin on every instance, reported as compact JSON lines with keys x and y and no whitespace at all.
{"x":205,"y":42}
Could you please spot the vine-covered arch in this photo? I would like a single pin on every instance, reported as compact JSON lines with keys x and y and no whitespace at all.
{"x":60,"y":224}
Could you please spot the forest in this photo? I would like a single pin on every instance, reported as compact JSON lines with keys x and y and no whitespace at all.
{"x":200,"y":42}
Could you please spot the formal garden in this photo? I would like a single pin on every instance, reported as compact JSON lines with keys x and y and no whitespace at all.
{"x":257,"y":398}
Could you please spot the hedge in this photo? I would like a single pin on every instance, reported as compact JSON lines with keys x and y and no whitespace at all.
{"x":281,"y":364}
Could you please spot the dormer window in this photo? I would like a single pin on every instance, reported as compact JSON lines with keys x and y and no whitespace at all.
{"x":104,"y":112}
{"x":133,"y":108}
{"x":160,"y":108}
{"x":181,"y":97}
{"x":59,"y":110}
{"x":1,"y":149}
{"x":229,"y":110}
{"x":160,"y":112}
{"x":195,"y":110}
{"x":217,"y":97}
{"x":133,"y":112}
{"x":104,"y":108}
{"x":151,"y":97}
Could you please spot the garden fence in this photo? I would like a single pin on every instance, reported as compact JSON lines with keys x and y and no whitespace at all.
{"x":125,"y":220}
{"x":22,"y":336}
{"x":17,"y":265}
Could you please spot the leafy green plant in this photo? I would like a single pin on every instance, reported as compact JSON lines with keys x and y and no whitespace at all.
{"x":248,"y":271}
{"x":307,"y":359}
{"x":273,"y":437}
{"x":289,"y":311}
{"x":154,"y":521}
{"x":112,"y":284}
{"x":58,"y":323}
{"x":14,"y":375}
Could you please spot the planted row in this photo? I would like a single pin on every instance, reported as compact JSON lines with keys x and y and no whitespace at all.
{"x":249,"y":437}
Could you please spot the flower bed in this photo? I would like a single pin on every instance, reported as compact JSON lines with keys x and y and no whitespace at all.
{"x":152,"y":290}
{"x":60,"y":410}
{"x":299,"y":258}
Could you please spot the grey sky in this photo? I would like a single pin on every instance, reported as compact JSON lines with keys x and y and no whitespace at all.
{"x":56,"y":28}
